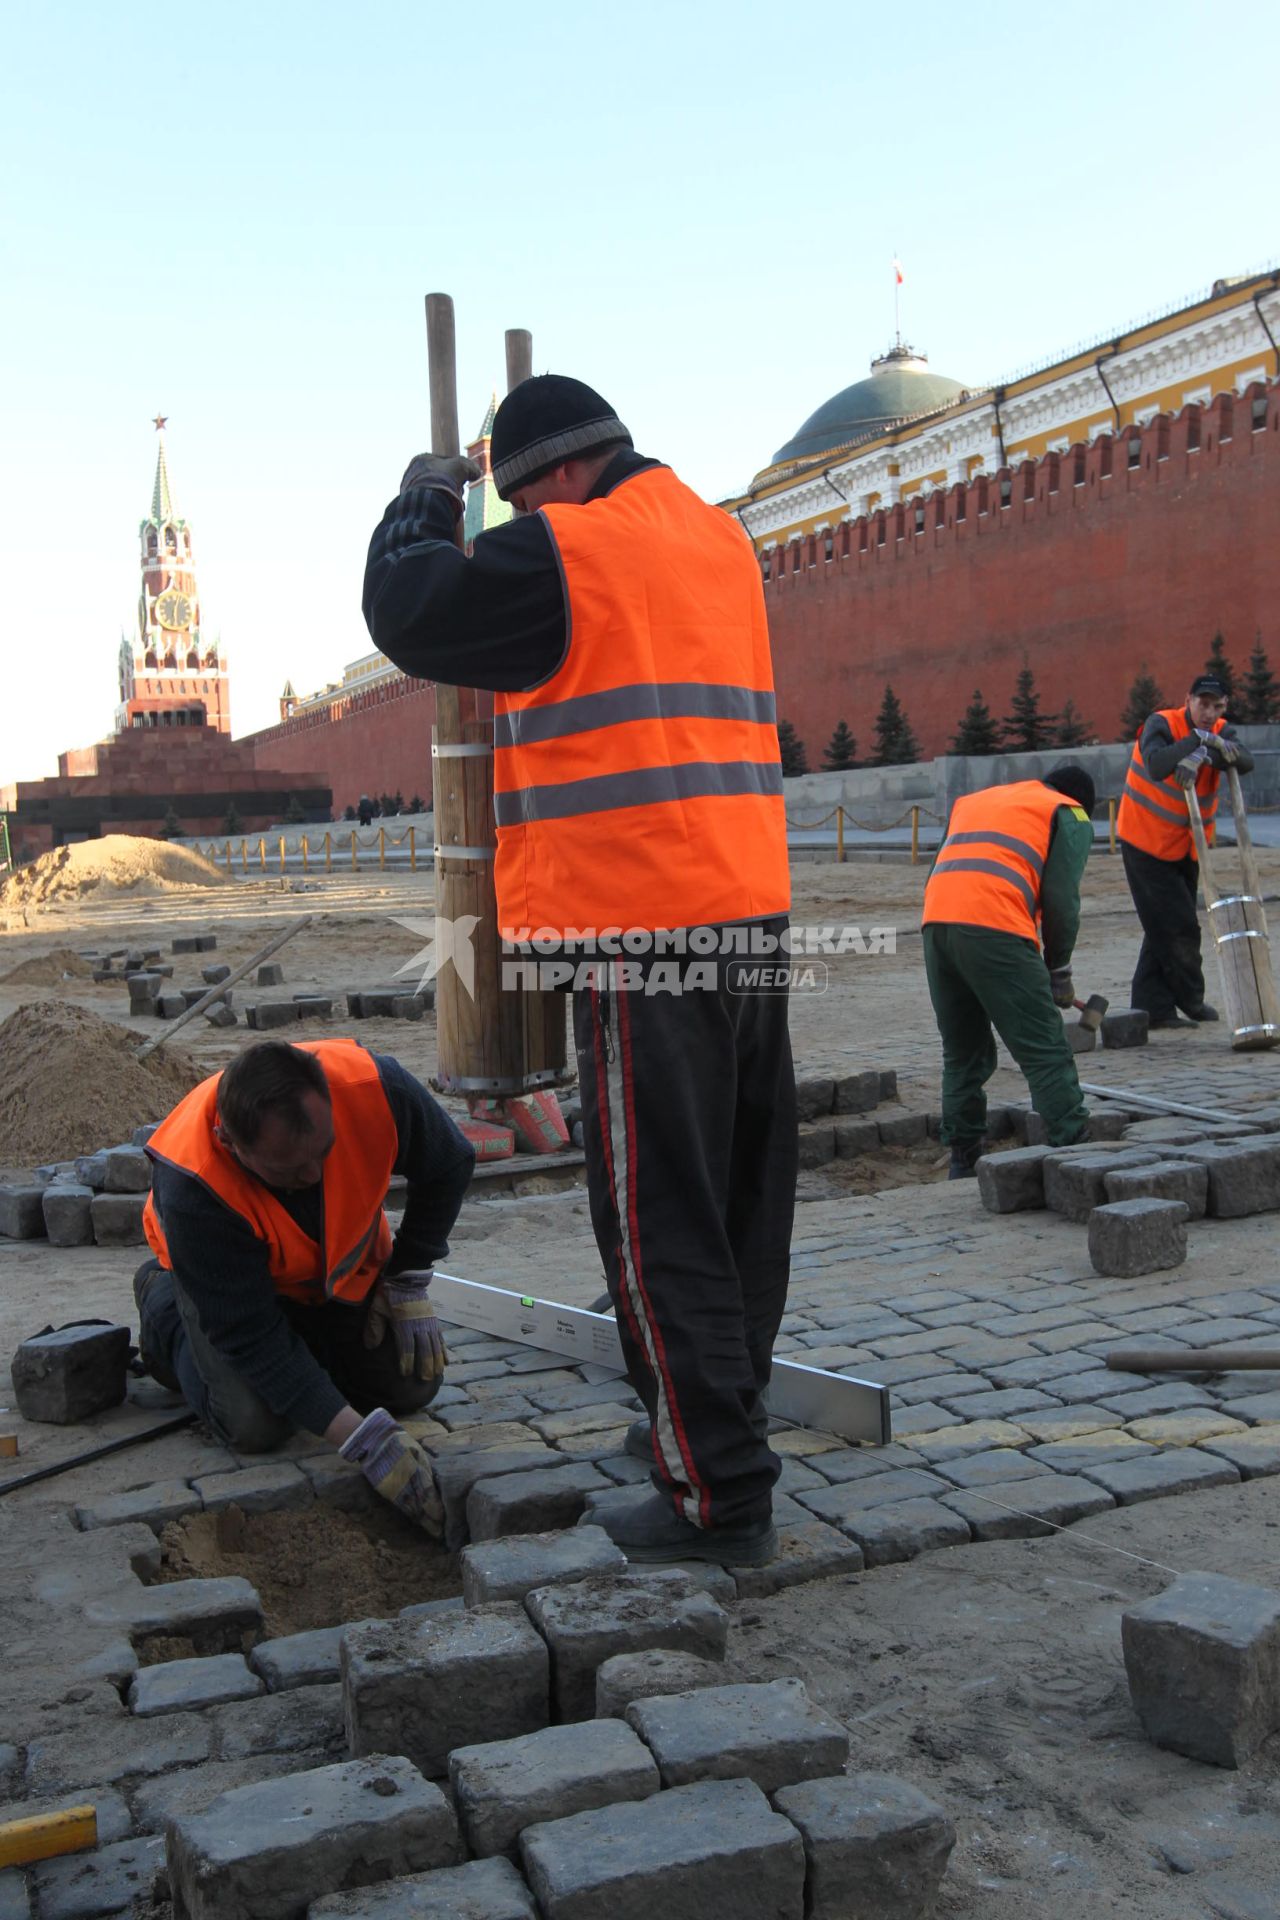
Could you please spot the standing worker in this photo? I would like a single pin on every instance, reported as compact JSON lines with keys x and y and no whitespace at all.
{"x":620,"y":622}
{"x":276,"y":1297}
{"x":1178,"y":747}
{"x":1007,"y":876}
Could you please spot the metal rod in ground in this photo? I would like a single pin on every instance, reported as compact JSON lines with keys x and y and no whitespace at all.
{"x":216,"y":993}
{"x":1131,"y":1099}
{"x":98,"y":1453}
{"x":1194,"y":1360}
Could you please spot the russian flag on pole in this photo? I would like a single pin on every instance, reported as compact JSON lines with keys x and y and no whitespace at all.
{"x":898,"y":275}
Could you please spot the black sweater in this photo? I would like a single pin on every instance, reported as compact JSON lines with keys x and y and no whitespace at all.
{"x":224,"y":1266}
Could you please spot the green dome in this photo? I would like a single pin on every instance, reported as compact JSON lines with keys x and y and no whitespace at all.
{"x":899,"y":386}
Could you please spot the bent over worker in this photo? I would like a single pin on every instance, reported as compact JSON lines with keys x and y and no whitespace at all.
{"x":1178,"y":747}
{"x":1007,"y":876}
{"x":620,"y":621}
{"x":276,"y":1297}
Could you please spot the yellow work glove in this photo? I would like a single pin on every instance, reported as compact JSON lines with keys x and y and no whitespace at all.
{"x":396,"y":1467}
{"x":404,"y":1306}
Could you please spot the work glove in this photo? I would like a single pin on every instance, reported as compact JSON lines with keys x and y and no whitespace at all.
{"x":1062,"y":987}
{"x":449,"y":471}
{"x":1223,"y":753}
{"x":403,"y":1305}
{"x":1186,"y":770}
{"x":397,"y":1468}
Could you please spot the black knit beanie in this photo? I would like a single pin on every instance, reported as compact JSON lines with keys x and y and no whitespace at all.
{"x":1072,"y":780}
{"x":545,"y":420}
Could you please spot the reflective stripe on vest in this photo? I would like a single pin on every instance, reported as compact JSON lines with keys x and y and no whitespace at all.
{"x":640,"y":786}
{"x":997,"y":885}
{"x":357,"y":1238}
{"x":1152,"y":815}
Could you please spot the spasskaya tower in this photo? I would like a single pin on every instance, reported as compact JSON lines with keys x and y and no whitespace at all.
{"x":169,"y":675}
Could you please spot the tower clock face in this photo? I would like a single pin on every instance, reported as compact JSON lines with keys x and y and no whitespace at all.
{"x":174,"y":609}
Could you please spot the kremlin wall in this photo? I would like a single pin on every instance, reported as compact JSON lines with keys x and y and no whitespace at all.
{"x":1113,"y":509}
{"x":1107,"y":513}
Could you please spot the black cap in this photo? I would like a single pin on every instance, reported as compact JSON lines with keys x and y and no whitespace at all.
{"x":544,"y":421}
{"x":1074,"y":783}
{"x":1209,"y":683}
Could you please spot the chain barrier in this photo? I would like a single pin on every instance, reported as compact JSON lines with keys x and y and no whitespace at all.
{"x":348,"y":843}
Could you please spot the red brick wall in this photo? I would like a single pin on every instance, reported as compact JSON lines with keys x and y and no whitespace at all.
{"x":375,"y":742}
{"x":1080,"y":582}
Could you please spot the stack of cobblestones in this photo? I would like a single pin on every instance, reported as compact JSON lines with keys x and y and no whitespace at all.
{"x":1137,"y":1191}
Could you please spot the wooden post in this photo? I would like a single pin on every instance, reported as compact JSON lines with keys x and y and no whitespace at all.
{"x":413,"y":852}
{"x":262,"y":852}
{"x":45,"y":1836}
{"x":840,"y":834}
{"x":915,"y":836}
{"x":244,"y":856}
{"x":1111,"y":824}
{"x":489,"y":1041}
{"x":519,"y":356}
{"x":354,"y":862}
{"x":382,"y":849}
{"x":282,"y":853}
{"x":328,"y":853}
{"x":306,"y":866}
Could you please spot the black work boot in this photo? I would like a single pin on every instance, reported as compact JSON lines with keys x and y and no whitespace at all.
{"x":964,"y":1161}
{"x":1203,"y":1012}
{"x":651,"y":1532}
{"x":158,"y":1322}
{"x":639,"y":1441}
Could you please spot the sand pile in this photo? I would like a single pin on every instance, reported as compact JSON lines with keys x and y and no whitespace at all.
{"x":47,"y":969}
{"x":71,"y":1082}
{"x":118,"y":863}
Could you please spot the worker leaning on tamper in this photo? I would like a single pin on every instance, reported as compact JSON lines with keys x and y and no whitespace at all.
{"x":1178,"y":748}
{"x":276,"y":1297}
{"x":1007,"y":876}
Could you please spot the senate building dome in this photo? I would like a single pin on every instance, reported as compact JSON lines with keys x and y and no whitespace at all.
{"x":900,"y":387}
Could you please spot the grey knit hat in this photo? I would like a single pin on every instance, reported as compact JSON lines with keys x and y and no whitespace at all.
{"x":545,"y":420}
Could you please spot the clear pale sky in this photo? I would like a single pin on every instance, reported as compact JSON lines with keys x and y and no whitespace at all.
{"x":230,"y":213}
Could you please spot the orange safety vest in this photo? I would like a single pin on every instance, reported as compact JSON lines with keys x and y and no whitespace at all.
{"x":1152,"y":815}
{"x":990,"y":865}
{"x":640,"y":786}
{"x":357,"y":1239}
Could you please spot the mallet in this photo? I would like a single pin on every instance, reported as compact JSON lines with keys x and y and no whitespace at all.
{"x":1083,"y":1036}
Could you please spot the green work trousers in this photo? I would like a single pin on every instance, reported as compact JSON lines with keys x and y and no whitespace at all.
{"x":980,"y":979}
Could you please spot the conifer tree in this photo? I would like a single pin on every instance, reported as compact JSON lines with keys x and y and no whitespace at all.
{"x":172,"y":826}
{"x":1072,"y":730}
{"x":1026,"y":729}
{"x":791,"y":747}
{"x":397,"y":802}
{"x":417,"y":805}
{"x":841,"y":750}
{"x":978,"y":732}
{"x":293,"y":813}
{"x":1144,"y":697}
{"x":1260,"y":701}
{"x":232,"y":823}
{"x":1218,"y":663}
{"x":896,"y":745}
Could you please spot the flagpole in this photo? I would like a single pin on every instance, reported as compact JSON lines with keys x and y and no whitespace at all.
{"x":897,"y":293}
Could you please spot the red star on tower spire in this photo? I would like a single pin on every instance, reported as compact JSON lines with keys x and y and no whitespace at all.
{"x":161,"y":420}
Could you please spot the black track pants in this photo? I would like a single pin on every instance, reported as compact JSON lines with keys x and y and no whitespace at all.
{"x":689,"y":1125}
{"x":1169,"y":973}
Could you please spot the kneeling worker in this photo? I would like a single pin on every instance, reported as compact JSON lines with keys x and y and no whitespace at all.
{"x":1006,"y":876}
{"x":276,"y":1298}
